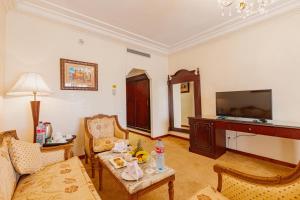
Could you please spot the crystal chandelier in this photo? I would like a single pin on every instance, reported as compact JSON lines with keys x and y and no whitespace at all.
{"x":244,"y":7}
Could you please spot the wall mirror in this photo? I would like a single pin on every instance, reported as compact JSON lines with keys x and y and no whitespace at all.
{"x":184,"y":99}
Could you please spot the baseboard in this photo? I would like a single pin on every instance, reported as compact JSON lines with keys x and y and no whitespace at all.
{"x":179,"y":137}
{"x":159,"y":137}
{"x":138,"y":133}
{"x":278,"y":162}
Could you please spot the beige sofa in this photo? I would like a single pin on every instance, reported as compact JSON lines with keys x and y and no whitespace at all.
{"x":61,"y":178}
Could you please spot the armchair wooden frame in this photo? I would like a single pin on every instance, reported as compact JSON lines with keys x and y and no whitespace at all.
{"x":91,"y":153}
{"x":266,"y":181}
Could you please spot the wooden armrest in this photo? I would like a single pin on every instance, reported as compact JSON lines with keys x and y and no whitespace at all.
{"x":66,"y":148}
{"x":275,"y":180}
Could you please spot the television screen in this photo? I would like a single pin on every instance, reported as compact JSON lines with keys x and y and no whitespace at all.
{"x":248,"y":104}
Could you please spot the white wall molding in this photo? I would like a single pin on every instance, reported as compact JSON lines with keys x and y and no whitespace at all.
{"x":233,"y":25}
{"x":55,"y":12}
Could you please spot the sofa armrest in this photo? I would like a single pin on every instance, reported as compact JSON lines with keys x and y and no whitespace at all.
{"x":55,"y":154}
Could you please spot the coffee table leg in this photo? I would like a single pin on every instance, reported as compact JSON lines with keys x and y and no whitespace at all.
{"x":171,"y":190}
{"x":100,"y":174}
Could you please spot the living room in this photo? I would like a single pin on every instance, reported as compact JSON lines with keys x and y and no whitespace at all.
{"x":231,"y":53}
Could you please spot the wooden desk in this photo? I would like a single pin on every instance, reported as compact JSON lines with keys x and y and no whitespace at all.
{"x":208,"y":135}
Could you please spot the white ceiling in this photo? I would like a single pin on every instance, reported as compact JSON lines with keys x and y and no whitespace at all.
{"x":164,"y":23}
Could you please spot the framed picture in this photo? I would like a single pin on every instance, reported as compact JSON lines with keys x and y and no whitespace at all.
{"x":185,"y":87}
{"x":77,"y":75}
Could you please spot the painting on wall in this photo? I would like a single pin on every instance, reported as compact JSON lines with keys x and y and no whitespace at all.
{"x":185,"y":87}
{"x":77,"y":75}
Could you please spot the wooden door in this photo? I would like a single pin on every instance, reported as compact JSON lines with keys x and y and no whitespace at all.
{"x":138,"y":102}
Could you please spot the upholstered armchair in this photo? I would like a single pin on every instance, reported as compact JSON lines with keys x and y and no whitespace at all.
{"x":236,"y":185}
{"x":101,"y":132}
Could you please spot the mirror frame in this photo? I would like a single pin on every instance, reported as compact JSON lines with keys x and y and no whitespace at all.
{"x":182,"y":76}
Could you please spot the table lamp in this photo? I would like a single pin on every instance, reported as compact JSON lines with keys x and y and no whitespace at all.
{"x":31,"y":84}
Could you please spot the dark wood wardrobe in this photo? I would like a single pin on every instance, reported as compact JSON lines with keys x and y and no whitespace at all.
{"x":138,"y":102}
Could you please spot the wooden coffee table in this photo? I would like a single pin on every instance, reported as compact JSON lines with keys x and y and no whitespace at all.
{"x":135,"y":189}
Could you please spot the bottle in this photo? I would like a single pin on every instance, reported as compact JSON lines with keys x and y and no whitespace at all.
{"x":160,"y":157}
{"x":40,"y":133}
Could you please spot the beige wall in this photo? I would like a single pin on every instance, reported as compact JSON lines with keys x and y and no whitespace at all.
{"x":2,"y":55}
{"x":261,"y":56}
{"x":36,"y":44}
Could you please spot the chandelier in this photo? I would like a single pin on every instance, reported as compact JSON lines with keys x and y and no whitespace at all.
{"x":244,"y":7}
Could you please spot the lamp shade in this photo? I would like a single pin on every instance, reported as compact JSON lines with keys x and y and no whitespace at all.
{"x":30,"y":84}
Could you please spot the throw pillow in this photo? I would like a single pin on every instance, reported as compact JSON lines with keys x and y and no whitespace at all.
{"x":8,"y":176}
{"x":26,"y":157}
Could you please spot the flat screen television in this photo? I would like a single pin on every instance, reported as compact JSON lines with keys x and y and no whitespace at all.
{"x":247,"y":104}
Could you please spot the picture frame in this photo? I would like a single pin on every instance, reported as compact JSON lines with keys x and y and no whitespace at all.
{"x":185,"y":87}
{"x":78,"y":75}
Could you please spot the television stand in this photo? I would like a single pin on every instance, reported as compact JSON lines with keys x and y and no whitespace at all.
{"x":208,"y":134}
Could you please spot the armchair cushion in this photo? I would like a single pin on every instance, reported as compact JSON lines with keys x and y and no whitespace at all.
{"x":26,"y":157}
{"x":8,"y":176}
{"x":210,"y":193}
{"x":101,"y":127}
{"x":237,"y":189}
{"x":104,"y":144}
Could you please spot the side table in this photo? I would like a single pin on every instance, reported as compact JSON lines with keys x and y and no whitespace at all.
{"x":68,"y":153}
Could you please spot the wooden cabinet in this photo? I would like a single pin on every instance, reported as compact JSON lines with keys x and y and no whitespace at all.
{"x":205,"y":140}
{"x":208,"y":136}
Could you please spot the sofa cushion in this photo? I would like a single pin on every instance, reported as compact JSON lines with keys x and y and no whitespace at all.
{"x":104,"y":144}
{"x":8,"y":174}
{"x":53,"y":157}
{"x":101,"y":127}
{"x":26,"y":157}
{"x":210,"y":193}
{"x":66,"y":180}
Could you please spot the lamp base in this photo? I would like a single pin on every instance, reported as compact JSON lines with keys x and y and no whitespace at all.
{"x":35,"y":109}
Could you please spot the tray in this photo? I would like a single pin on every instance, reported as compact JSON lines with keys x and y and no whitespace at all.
{"x":68,"y":141}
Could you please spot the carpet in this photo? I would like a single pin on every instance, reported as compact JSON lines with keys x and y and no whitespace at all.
{"x":193,"y":172}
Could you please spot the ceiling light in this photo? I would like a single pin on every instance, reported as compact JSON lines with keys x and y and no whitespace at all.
{"x":245,"y":8}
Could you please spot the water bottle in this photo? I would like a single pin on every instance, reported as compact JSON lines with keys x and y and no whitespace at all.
{"x":160,"y":157}
{"x":40,"y":133}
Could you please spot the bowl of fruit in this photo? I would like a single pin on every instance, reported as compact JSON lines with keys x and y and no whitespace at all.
{"x":139,"y":153}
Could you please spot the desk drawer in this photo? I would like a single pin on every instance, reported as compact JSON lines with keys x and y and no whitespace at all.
{"x":262,"y":130}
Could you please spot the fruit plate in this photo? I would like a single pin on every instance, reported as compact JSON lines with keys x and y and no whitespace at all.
{"x":127,"y":177}
{"x":118,"y":162}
